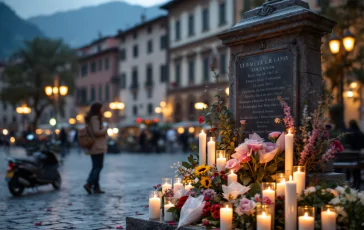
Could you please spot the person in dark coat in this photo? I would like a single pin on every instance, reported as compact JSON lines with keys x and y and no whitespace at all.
{"x":63,"y":138}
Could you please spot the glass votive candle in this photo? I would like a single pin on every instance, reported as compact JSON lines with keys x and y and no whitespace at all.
{"x":328,"y":217}
{"x":306,"y":218}
{"x":265,"y":216}
{"x":268,"y":190}
{"x":220,"y":160}
{"x":169,"y":202}
{"x":280,"y":184}
{"x":177,"y":184}
{"x":226,"y":216}
{"x":154,"y":204}
{"x":299,"y":175}
{"x":166,"y":184}
{"x":189,"y":185}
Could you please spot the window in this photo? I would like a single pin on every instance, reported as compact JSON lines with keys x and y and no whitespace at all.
{"x":135,"y":35}
{"x":191,"y":71}
{"x":134,"y":79}
{"x":222,"y":63}
{"x":164,"y":42}
{"x":84,"y":70}
{"x":5,"y":120}
{"x":135,"y":51}
{"x":84,"y":96}
{"x":123,"y":55}
{"x":106,"y":63}
{"x":14,"y":119}
{"x":149,"y":93}
{"x":93,"y":93}
{"x":246,"y":5}
{"x":163,"y":73}
{"x":206,"y":69}
{"x":150,"y":109}
{"x":191,"y":25}
{"x":205,"y":20}
{"x":123,"y":81}
{"x":135,"y":110}
{"x":93,"y":67}
{"x":178,"y":74}
{"x":100,"y":64}
{"x":149,"y":74}
{"x":149,"y":29}
{"x":178,"y":30}
{"x":106,"y":91}
{"x":222,"y":14}
{"x":150,"y":46}
{"x":100,"y":93}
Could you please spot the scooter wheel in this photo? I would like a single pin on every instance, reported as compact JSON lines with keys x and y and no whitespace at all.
{"x":57,"y":182}
{"x":15,"y":188}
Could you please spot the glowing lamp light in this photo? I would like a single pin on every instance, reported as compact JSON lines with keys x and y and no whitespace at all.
{"x":55,"y":90}
{"x":191,"y":129}
{"x":158,"y":109}
{"x":227,"y":91}
{"x":57,"y":131}
{"x":110,"y":132}
{"x":79,"y":117}
{"x":63,"y":90}
{"x":348,"y":41}
{"x":117,"y":105}
{"x":353,"y":85}
{"x":24,"y":109}
{"x":155,"y":120}
{"x":180,"y":130}
{"x":48,"y":90}
{"x":5,"y":132}
{"x":350,"y":94}
{"x":38,"y":131}
{"x":52,"y":121}
{"x":334,"y":43}
{"x":72,"y":121}
{"x":12,"y":139}
{"x":139,"y":120}
{"x":107,"y":114}
{"x":163,"y":104}
{"x":200,"y":106}
{"x":115,"y":130}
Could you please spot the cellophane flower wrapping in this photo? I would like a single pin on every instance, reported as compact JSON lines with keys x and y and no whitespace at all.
{"x":191,"y":211}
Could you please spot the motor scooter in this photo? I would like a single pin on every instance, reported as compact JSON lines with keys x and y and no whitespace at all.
{"x":41,"y":168}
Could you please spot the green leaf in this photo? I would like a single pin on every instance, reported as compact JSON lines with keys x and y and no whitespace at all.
{"x":186,"y":165}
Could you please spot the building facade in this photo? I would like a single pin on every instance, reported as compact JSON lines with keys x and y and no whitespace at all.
{"x":98,"y":78}
{"x":143,"y":69}
{"x":193,"y":49}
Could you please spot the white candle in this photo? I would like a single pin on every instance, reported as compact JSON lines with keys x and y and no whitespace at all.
{"x":281,"y":187}
{"x":202,"y":148}
{"x":166,"y":186}
{"x":290,"y":205}
{"x":232,"y":177}
{"x":177,"y":186}
{"x":300,"y":178}
{"x":168,"y":216}
{"x":154,"y":207}
{"x":226,"y":218}
{"x":188,"y":187}
{"x":306,"y":222}
{"x":288,"y":151}
{"x":211,"y":153}
{"x":220,"y":163}
{"x":264,"y":221}
{"x":328,"y":220}
{"x":270,"y":193}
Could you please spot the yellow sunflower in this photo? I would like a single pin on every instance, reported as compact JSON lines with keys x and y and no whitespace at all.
{"x":201,"y":169}
{"x":206,"y":182}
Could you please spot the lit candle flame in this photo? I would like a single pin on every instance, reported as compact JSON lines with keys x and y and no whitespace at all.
{"x":283,"y":181}
{"x":290,"y":178}
{"x":227,"y":206}
{"x":269,"y":188}
{"x":220,"y":155}
{"x":169,"y":203}
{"x":289,"y":131}
{"x":306,"y":214}
{"x":189,"y":183}
{"x":328,"y":210}
{"x":263,"y":214}
{"x":211,"y":139}
{"x":202,"y":131}
{"x":155,"y":196}
{"x":232,"y":172}
{"x":299,"y":169}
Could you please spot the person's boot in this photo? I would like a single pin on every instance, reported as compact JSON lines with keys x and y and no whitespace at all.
{"x":98,"y":191}
{"x":87,"y":187}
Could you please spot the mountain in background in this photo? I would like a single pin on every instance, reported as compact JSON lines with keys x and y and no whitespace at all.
{"x":14,"y":31}
{"x":79,"y":27}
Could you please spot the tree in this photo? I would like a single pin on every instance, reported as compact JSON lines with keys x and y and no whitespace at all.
{"x":34,"y":67}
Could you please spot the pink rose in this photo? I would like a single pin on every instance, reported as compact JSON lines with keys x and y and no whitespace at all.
{"x":246,"y":206}
{"x":266,"y":200}
{"x":254,"y":145}
{"x":257,"y":198}
{"x":269,"y":147}
{"x":274,"y":135}
{"x":233,"y":164}
{"x":242,"y":153}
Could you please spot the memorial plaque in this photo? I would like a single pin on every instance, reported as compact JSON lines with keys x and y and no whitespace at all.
{"x":261,"y":78}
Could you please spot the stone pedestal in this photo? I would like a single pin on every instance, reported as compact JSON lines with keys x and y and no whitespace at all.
{"x":143,"y":222}
{"x":275,"y":51}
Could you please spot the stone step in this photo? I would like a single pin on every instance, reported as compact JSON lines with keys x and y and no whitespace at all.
{"x":144,"y":223}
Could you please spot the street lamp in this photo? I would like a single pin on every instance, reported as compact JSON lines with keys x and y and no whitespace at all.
{"x":23,"y":109}
{"x":116,"y":105}
{"x":200,"y":106}
{"x":227,"y":91}
{"x":72,"y":121}
{"x":55,"y":92}
{"x":107,"y":114}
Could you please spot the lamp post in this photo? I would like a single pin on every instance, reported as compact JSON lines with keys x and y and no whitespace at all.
{"x":55,"y":92}
{"x":335,"y":44}
{"x":23,"y":110}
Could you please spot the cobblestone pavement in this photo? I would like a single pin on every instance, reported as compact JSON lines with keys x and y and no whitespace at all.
{"x":127,"y":179}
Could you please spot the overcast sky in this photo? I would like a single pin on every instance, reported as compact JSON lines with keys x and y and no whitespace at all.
{"x":30,"y":8}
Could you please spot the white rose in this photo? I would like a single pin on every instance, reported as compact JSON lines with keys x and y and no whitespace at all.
{"x":335,"y":201}
{"x":196,"y":180}
{"x":310,"y":190}
{"x":340,"y":189}
{"x":361,"y":197}
{"x":332,"y":191}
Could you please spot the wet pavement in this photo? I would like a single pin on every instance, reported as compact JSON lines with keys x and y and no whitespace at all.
{"x":127,"y":179}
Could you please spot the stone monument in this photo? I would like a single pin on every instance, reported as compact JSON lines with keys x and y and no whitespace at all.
{"x":275,"y":51}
